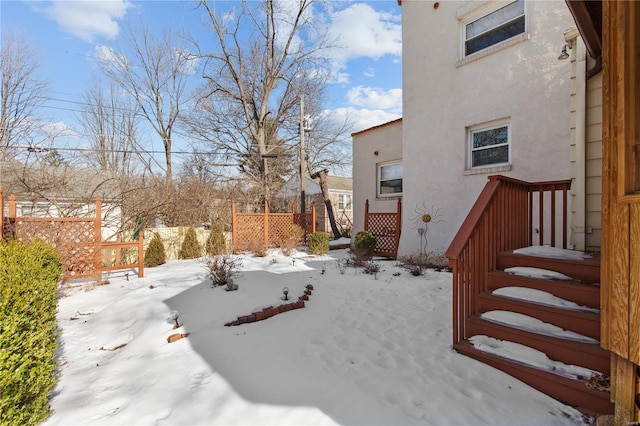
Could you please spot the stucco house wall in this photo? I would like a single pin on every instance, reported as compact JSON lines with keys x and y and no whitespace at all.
{"x":371,"y":147}
{"x":519,"y":81}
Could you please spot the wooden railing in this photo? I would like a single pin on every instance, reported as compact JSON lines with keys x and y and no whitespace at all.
{"x":507,"y":215}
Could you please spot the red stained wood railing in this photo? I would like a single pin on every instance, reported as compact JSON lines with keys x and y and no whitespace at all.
{"x":508,"y":214}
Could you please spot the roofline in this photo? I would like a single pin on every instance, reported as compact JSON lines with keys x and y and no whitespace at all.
{"x":376,"y":127}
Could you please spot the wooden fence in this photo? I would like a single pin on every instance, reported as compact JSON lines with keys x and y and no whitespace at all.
{"x":265,"y":230}
{"x":78,"y":241}
{"x":386,"y":228}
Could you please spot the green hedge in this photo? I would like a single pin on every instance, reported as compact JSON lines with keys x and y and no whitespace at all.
{"x":29,"y":274}
{"x":319,"y":243}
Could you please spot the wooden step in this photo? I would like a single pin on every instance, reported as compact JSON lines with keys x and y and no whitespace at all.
{"x":588,"y":355}
{"x":585,"y":270}
{"x":582,"y":322}
{"x":574,"y":291}
{"x":567,"y":390}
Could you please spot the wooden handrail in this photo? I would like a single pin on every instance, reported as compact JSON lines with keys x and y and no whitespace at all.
{"x":501,"y":219}
{"x":472,"y":219}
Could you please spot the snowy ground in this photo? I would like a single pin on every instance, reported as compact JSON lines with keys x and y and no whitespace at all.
{"x":363,"y":351}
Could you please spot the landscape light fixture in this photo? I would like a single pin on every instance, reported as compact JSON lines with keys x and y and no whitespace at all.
{"x":285,"y":291}
{"x":173,"y":315}
{"x":563,"y":53}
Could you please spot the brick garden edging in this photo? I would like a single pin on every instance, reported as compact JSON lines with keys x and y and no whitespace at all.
{"x":273,"y":310}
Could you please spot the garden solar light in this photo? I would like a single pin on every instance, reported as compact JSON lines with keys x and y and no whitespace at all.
{"x":286,"y":292}
{"x":173,"y":315}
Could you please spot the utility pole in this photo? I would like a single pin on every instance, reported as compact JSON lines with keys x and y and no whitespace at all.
{"x":302,"y":159}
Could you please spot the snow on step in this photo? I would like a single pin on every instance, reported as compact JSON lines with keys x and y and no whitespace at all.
{"x":529,"y":356}
{"x":527,"y":323}
{"x":552,"y":252}
{"x":542,"y":297}
{"x":527,"y":271}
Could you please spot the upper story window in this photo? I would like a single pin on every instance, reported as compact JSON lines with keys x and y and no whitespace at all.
{"x":495,"y":27}
{"x":390,"y":179}
{"x":489,"y":146}
{"x":344,"y":202}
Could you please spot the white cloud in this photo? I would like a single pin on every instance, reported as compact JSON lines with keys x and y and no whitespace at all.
{"x":376,"y":98}
{"x":361,"y":31}
{"x":55,"y":129}
{"x":364,"y":118}
{"x":88,"y":19}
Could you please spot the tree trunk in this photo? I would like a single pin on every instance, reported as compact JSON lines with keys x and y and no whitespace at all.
{"x":322,"y":175}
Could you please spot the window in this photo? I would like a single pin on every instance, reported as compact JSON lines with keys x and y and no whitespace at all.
{"x":495,"y":27}
{"x":344,"y":202}
{"x":389,"y":179}
{"x":489,"y":146}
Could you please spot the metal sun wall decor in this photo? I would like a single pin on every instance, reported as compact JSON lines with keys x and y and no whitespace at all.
{"x":421,"y":221}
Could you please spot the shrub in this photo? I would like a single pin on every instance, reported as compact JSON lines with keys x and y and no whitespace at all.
{"x":155,"y":254}
{"x":257,"y":248}
{"x":190,"y":248}
{"x":216,"y":243}
{"x":372,"y":267}
{"x":291,"y":239}
{"x":319,"y":243}
{"x":223,"y":268}
{"x":365,"y":244}
{"x":28,"y":330}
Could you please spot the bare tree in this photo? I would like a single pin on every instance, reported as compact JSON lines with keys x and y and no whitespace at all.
{"x":22,"y":90}
{"x":269,"y":54}
{"x":112,"y":127}
{"x":155,"y":75}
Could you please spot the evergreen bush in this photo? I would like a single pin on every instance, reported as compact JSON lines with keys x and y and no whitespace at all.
{"x":190,"y":248}
{"x":319,"y":243}
{"x":29,"y":275}
{"x":365,"y":244}
{"x":155,"y":254}
{"x":216,"y":243}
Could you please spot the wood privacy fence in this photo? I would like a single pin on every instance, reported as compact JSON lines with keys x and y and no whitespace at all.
{"x":264,"y":230}
{"x":78,"y":241}
{"x":386,"y":228}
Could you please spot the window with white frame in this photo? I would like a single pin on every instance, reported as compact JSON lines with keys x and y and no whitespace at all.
{"x":344,"y":202}
{"x":494,"y":27}
{"x":390,"y":179}
{"x":489,"y":146}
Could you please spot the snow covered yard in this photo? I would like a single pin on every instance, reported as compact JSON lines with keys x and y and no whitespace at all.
{"x":363,"y":351}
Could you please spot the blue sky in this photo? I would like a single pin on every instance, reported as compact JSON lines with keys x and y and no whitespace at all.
{"x":66,"y":35}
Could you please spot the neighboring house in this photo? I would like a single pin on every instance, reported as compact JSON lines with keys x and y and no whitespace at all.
{"x":62,"y":192}
{"x":340,"y":194}
{"x":484,"y":93}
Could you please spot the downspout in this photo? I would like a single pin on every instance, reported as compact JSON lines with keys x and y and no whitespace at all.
{"x":578,"y":142}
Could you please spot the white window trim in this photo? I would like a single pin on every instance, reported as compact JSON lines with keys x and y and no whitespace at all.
{"x":349,"y":204}
{"x":378,"y":179}
{"x":483,"y":127}
{"x":465,"y":17}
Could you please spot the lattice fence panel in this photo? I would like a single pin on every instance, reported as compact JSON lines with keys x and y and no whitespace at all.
{"x":250,"y":231}
{"x":75,"y":241}
{"x":383,"y":226}
{"x":280,"y":225}
{"x":304,"y":221}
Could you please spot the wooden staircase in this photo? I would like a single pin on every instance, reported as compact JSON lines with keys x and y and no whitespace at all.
{"x":501,"y":221}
